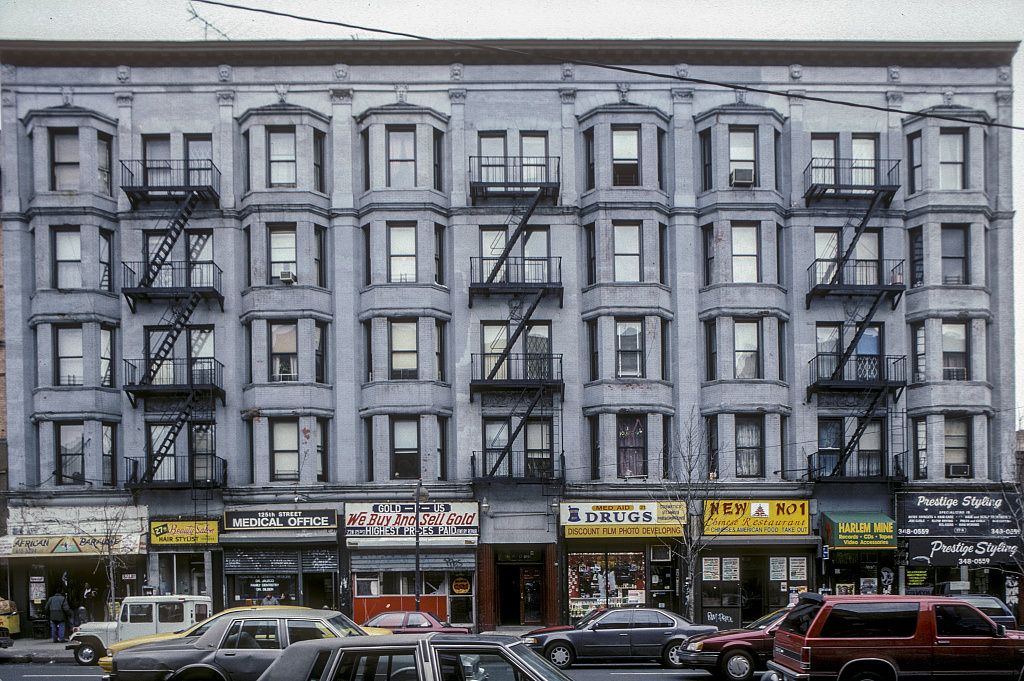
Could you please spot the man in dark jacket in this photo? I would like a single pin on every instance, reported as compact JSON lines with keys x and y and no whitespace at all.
{"x":59,"y":611}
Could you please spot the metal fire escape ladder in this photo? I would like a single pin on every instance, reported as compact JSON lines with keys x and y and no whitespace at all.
{"x":876,"y":200}
{"x":862,"y":424}
{"x":538,"y":393}
{"x":184,"y":412}
{"x":179,"y":316}
{"x":515,"y":336}
{"x":862,"y":326}
{"x":174,"y":228}
{"x":511,"y":241}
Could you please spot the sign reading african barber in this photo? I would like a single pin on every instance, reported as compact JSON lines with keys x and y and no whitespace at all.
{"x":281,"y":519}
{"x":958,"y":514}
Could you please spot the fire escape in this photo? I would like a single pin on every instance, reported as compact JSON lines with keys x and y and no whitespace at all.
{"x":175,"y":392}
{"x":520,"y":391}
{"x":850,"y":375}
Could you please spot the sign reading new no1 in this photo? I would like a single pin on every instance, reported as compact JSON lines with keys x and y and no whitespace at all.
{"x":762,"y":516}
{"x":280,"y":519}
{"x":623,"y":519}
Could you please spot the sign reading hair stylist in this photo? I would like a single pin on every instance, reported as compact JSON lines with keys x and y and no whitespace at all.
{"x":281,"y":519}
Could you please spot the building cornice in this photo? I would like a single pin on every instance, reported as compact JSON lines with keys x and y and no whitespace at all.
{"x":532,"y":51}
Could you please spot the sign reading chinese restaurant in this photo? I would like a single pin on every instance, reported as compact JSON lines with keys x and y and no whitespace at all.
{"x":170,"y":532}
{"x":454,"y":520}
{"x":29,"y":545}
{"x":859,"y":530}
{"x":280,"y":519}
{"x":953,"y":514}
{"x":623,"y":519}
{"x":746,"y":516}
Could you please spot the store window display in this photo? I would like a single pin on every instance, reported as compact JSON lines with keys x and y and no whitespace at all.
{"x":599,"y":580}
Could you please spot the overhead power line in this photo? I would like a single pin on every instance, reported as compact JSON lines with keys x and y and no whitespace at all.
{"x":612,"y":67}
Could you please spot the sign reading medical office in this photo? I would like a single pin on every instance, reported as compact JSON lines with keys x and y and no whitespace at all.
{"x":623,"y":519}
{"x":280,"y":519}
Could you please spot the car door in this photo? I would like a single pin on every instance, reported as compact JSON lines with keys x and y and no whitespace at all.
{"x":650,"y":632}
{"x":966,"y":646}
{"x":607,"y":636}
{"x":383,"y":664}
{"x":248,"y":648}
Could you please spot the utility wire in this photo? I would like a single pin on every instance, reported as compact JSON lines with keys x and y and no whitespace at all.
{"x":623,"y":69}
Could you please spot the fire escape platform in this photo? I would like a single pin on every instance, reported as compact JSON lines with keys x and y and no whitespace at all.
{"x":850,"y":179}
{"x":513,"y":177}
{"x":175,"y":378}
{"x":170,"y":180}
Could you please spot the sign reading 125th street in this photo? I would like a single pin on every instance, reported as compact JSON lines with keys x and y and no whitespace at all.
{"x":280,"y":519}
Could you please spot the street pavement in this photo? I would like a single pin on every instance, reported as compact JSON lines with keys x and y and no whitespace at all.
{"x":32,"y":650}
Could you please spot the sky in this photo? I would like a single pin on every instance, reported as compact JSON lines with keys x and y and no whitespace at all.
{"x":695,"y":19}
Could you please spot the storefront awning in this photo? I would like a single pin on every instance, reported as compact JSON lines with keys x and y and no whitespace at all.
{"x":858,"y":530}
{"x":274,"y":537}
{"x":63,"y":546}
{"x":367,"y":561}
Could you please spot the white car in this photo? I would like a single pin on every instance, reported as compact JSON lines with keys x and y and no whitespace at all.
{"x":139,"y":616}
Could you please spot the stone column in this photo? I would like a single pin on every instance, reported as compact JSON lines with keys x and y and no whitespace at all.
{"x":224,"y":147}
{"x":457,"y":138}
{"x":342,"y":139}
{"x":682,"y":153}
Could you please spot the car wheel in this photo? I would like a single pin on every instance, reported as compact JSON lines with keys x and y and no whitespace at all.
{"x":867,"y":675}
{"x":737,"y":665}
{"x":672,"y":656}
{"x":560,"y":655}
{"x":85,"y":654}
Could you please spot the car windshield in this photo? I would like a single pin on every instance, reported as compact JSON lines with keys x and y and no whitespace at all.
{"x":766,"y":621}
{"x":589,"y":617}
{"x":345,"y":627}
{"x":537,"y":663}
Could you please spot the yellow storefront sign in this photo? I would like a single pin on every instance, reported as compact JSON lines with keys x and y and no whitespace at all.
{"x":756,"y":517}
{"x":623,"y":519}
{"x":166,"y":532}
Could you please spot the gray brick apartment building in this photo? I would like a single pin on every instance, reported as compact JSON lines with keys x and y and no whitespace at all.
{"x":261,"y":297}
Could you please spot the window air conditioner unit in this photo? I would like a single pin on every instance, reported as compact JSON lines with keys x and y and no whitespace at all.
{"x":741,"y":177}
{"x":287,"y":277}
{"x":660,"y":553}
{"x":958,"y":470}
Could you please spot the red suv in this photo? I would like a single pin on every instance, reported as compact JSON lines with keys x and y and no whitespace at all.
{"x":884,"y":638}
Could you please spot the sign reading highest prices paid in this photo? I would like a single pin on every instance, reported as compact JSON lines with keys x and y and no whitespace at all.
{"x":281,"y":519}
{"x":958,"y":514}
{"x":455,"y":519}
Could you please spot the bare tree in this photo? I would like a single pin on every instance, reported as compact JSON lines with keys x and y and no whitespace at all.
{"x":690,"y":483}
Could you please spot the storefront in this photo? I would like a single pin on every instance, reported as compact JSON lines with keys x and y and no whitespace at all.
{"x":381,"y":542}
{"x":290,"y":554}
{"x":858,"y":552}
{"x":620,"y":554}
{"x":759,"y":555}
{"x":184,"y":558}
{"x":960,"y":542}
{"x":102,"y":554}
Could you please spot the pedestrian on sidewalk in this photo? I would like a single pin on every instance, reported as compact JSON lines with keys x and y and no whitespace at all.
{"x":59,"y":611}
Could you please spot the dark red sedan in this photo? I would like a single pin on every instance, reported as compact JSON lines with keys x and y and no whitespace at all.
{"x":412,"y":622}
{"x":736,"y":654}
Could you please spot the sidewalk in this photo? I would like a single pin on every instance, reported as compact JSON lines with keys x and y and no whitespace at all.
{"x":35,"y":650}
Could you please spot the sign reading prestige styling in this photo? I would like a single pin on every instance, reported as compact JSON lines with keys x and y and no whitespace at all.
{"x":957,"y":514}
{"x":279,"y":519}
{"x":957,"y":551}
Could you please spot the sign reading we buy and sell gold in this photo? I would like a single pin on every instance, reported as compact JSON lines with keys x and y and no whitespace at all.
{"x":623,"y":519}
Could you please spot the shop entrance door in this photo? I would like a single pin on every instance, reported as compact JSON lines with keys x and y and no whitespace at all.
{"x":531,"y":586}
{"x":752,"y":588}
{"x":318,"y":590}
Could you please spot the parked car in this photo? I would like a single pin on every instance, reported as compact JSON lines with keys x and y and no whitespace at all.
{"x":139,"y":616}
{"x":861,"y":638}
{"x":239,"y":646}
{"x":620,"y":633}
{"x":996,"y":610}
{"x":412,"y":622}
{"x":409,"y":657}
{"x":734,"y":654}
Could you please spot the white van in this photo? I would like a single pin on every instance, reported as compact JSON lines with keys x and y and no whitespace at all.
{"x":139,"y":616}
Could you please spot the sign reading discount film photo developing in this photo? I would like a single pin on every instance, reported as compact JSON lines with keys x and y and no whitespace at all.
{"x":744,"y":516}
{"x":165,"y":532}
{"x":623,"y":519}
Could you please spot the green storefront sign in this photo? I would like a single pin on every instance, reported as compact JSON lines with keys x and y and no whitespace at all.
{"x":859,"y":530}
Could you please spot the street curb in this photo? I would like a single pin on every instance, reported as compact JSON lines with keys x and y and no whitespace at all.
{"x":39,"y":658}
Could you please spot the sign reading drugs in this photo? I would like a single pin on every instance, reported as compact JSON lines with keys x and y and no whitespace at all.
{"x":744,"y":516}
{"x":455,"y":519}
{"x":623,"y":519}
{"x":280,"y":519}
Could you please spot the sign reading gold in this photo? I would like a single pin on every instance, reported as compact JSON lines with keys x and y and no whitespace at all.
{"x":744,"y":516}
{"x":623,"y":519}
{"x":166,"y":532}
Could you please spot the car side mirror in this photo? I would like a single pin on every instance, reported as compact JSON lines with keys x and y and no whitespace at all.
{"x":770,"y":633}
{"x":1000,"y":631}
